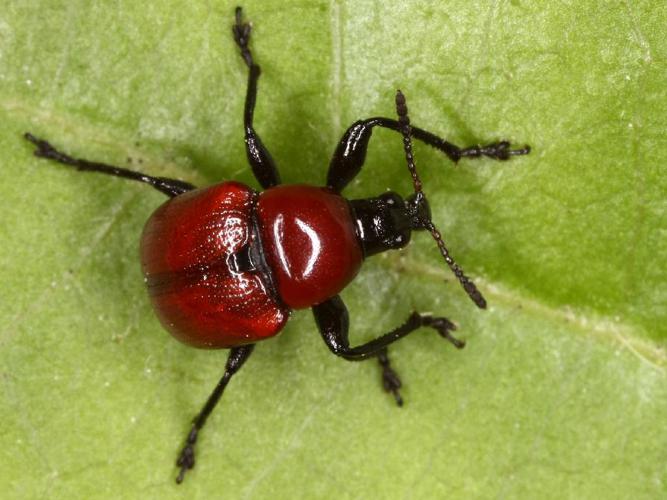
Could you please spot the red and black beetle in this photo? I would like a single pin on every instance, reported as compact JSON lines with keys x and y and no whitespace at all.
{"x":225,"y":265}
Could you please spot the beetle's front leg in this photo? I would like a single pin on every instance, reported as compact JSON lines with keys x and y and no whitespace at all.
{"x":333,"y":322}
{"x":186,"y":458}
{"x":350,"y":153}
{"x":260,"y":159}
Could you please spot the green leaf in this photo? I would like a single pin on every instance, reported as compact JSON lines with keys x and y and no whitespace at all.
{"x":561,"y":390}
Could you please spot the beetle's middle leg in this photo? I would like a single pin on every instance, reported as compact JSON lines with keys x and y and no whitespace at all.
{"x":261,"y":162}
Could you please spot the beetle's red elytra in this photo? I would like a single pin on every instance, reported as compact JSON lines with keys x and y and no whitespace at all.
{"x":189,"y":255}
{"x":226,"y":264}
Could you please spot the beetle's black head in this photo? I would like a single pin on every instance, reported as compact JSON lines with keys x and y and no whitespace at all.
{"x":386,"y":222}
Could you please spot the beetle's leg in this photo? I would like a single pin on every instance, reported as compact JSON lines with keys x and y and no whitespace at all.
{"x":259,"y":158}
{"x":333,"y":322}
{"x":186,"y":458}
{"x":170,"y":187}
{"x":351,"y":150}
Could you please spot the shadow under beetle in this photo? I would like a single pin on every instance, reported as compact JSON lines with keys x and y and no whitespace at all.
{"x":225,"y":265}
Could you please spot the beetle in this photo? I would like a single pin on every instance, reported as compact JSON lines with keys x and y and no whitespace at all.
{"x":225,"y":265}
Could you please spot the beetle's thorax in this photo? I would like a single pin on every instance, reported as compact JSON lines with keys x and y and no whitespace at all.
{"x":309,"y":241}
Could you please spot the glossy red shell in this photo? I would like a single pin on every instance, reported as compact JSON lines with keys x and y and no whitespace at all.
{"x":185,"y":248}
{"x":309,"y":242}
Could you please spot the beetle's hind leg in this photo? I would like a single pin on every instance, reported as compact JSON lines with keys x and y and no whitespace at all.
{"x":170,"y":187}
{"x":333,"y":323}
{"x":186,"y":458}
{"x":261,"y":162}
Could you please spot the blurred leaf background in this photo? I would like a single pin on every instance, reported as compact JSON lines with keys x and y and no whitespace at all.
{"x":561,"y":391}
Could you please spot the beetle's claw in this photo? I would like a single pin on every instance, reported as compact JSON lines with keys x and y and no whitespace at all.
{"x":459,"y":344}
{"x":518,"y":152}
{"x":186,"y":461}
{"x":43,"y":147}
{"x":29,"y":137}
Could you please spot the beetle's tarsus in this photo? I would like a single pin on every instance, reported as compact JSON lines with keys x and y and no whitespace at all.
{"x":186,"y":459}
{"x":46,"y":150}
{"x":241,"y":33}
{"x":391,"y":382}
{"x":444,"y":327}
{"x":497,"y":150}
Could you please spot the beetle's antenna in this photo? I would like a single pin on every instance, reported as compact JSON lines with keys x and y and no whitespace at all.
{"x":406,"y":130}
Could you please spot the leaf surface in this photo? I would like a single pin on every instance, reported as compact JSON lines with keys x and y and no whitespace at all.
{"x":561,"y":390}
